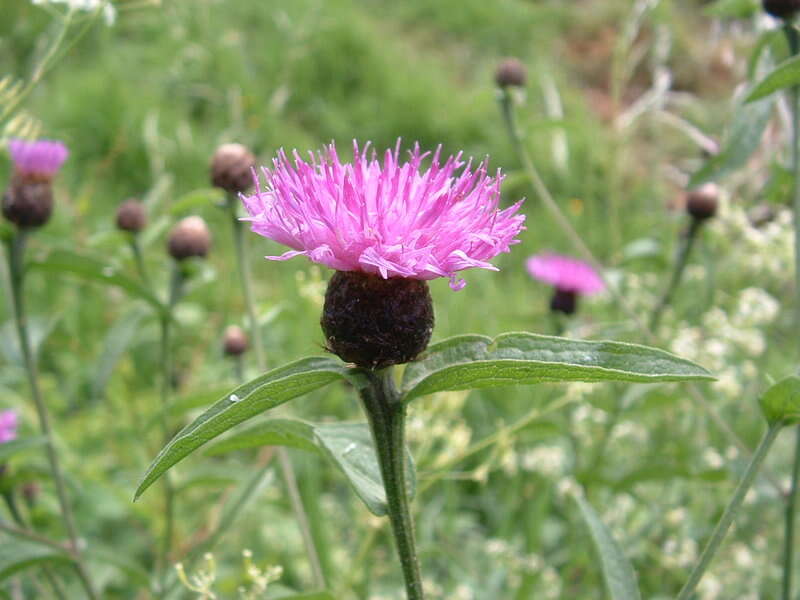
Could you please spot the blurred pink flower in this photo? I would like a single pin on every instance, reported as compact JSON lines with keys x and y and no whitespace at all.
{"x":388,"y":218}
{"x":41,"y":158}
{"x":565,"y":273}
{"x":8,"y":426}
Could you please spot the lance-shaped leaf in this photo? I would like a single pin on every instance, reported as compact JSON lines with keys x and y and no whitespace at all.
{"x":618,"y":572}
{"x":348,"y":446}
{"x":784,"y":75}
{"x":248,"y":400}
{"x":781,"y":402}
{"x":92,"y":269}
{"x":475,"y":361}
{"x":9,"y":449}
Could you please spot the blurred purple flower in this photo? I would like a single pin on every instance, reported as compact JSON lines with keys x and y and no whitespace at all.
{"x":8,"y":426}
{"x":386,"y":218}
{"x":565,"y":273}
{"x":42,"y":158}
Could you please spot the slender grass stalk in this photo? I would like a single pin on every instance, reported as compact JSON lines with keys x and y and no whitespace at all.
{"x":386,"y":414}
{"x":684,"y":251}
{"x":793,"y":38}
{"x":721,"y":530}
{"x":177,"y":278}
{"x":16,"y":257}
{"x":287,"y":470}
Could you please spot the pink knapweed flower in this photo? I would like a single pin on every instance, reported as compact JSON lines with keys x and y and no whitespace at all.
{"x":388,"y":218}
{"x":8,"y":426}
{"x":42,"y":158}
{"x":565,"y":273}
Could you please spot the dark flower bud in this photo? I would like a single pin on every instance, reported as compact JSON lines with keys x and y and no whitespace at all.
{"x":28,"y":201}
{"x":782,"y":9}
{"x":564,"y":301}
{"x":510,"y":72}
{"x":189,"y":238}
{"x":131,"y":216}
{"x":702,"y":202}
{"x":235,"y":341}
{"x":231,"y":168}
{"x":375,"y":322}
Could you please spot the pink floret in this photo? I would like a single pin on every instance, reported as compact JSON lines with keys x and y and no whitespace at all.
{"x":389,"y":218}
{"x":43,"y":157}
{"x":8,"y":426}
{"x":565,"y":273}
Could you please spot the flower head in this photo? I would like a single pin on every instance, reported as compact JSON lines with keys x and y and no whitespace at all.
{"x":8,"y":426}
{"x":386,"y":218}
{"x":40,"y":159}
{"x":565,"y":273}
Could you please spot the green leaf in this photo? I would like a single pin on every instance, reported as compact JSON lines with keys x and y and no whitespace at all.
{"x":784,"y":75}
{"x":474,"y":361}
{"x":618,"y":573}
{"x":348,"y":446}
{"x":9,"y":449}
{"x":197,"y":199}
{"x":733,"y":9}
{"x":93,"y":269}
{"x":781,"y":402}
{"x":20,"y":554}
{"x":117,"y":340}
{"x":747,"y":127}
{"x":248,"y":400}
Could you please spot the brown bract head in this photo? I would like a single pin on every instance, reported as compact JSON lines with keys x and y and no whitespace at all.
{"x":510,"y":72}
{"x":231,"y":168}
{"x":703,"y":202}
{"x":782,"y":9}
{"x":375,"y":322}
{"x":131,"y":216}
{"x":189,"y":238}
{"x":234,"y":341}
{"x":28,"y":201}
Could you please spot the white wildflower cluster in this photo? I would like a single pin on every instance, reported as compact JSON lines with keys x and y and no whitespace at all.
{"x":105,"y":7}
{"x":202,"y":581}
{"x":679,"y":553}
{"x":437,"y":428}
{"x":728,"y":342}
{"x":766,"y":251}
{"x":550,"y":461}
{"x":311,"y":286}
{"x":519,"y":563}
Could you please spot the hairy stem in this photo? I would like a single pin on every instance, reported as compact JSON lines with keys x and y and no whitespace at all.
{"x":386,"y":414}
{"x":287,"y":470}
{"x":730,"y":512}
{"x":684,"y":251}
{"x":17,"y":274}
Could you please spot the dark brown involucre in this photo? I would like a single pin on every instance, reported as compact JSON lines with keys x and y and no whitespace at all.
{"x":375,"y":322}
{"x":28,"y":202}
{"x":703,"y":202}
{"x":232,"y":168}
{"x":511,"y":72}
{"x":131,"y":216}
{"x":189,"y":238}
{"x":782,"y":9}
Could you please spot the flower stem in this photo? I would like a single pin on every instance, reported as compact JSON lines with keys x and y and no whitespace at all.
{"x":686,"y":245}
{"x":175,"y":291}
{"x":287,"y":470}
{"x":730,"y":512}
{"x":791,"y":501}
{"x":136,"y":249}
{"x":17,"y":275}
{"x":386,"y":414}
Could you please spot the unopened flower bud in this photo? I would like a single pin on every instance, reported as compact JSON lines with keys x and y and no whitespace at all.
{"x":131,"y":216}
{"x":702,"y":202}
{"x":375,"y":322}
{"x":28,"y":201}
{"x":189,"y":238}
{"x":782,"y":9}
{"x":510,"y":72}
{"x":235,"y":341}
{"x":231,"y":168}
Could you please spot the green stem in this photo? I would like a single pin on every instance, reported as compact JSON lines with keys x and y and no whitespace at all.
{"x":138,"y":258}
{"x":730,"y":512}
{"x":386,"y":413}
{"x":685,"y":250}
{"x":175,"y":291}
{"x":287,"y":470}
{"x":17,"y":275}
{"x":791,"y":501}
